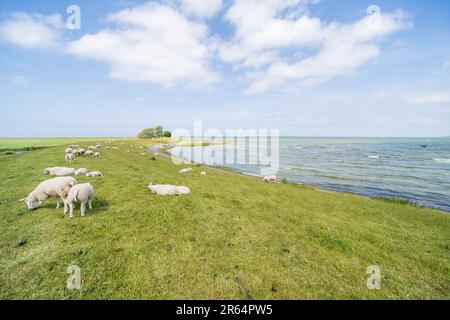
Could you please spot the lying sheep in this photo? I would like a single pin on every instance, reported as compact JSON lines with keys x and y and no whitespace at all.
{"x":107,"y":148}
{"x":115,"y":148}
{"x":59,"y":171}
{"x":203,"y":173}
{"x":89,"y":153}
{"x":270,"y":179}
{"x":98,"y":146}
{"x":70,"y":158}
{"x":57,"y":187}
{"x":168,"y":190}
{"x":69,"y":150}
{"x":94,"y":174}
{"x":186,"y":170}
{"x":82,"y":171}
{"x":82,"y":193}
{"x":97,"y":155}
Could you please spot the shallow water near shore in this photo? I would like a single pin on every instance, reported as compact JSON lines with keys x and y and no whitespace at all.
{"x":413,"y":169}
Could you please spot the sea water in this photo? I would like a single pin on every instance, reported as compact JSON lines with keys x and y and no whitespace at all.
{"x":413,"y":169}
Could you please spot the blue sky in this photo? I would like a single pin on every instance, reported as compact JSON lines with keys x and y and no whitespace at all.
{"x":307,"y":68}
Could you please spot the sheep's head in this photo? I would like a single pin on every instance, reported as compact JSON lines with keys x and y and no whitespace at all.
{"x":46,"y":171}
{"x":31,"y":204}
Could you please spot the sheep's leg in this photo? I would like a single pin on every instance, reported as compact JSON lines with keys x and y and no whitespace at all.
{"x":66,"y":207}
{"x":90,"y":204}
{"x":83,"y":209}
{"x":57,"y":202}
{"x":71,"y":210}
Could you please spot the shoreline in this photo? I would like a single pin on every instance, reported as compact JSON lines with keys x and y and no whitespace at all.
{"x":162,"y":149}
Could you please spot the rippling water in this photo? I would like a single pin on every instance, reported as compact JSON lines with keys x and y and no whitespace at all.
{"x":400,"y":168}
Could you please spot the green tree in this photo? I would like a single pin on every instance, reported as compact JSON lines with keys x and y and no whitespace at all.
{"x":167,"y":134}
{"x":147,"y":133}
{"x":158,"y":131}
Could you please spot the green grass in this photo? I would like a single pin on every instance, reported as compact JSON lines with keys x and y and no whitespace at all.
{"x":235,"y":237}
{"x":38,"y":143}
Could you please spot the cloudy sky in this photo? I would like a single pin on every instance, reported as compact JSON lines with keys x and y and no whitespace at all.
{"x":307,"y":67}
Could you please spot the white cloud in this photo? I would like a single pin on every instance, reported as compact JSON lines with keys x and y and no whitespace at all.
{"x":436,"y":97}
{"x":153,"y":43}
{"x":267,"y":31}
{"x":19,"y":79}
{"x":31,"y":30}
{"x":276,"y":43}
{"x":201,"y":8}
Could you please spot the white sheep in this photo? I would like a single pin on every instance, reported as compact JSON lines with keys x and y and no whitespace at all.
{"x":270,"y":179}
{"x":168,"y":190}
{"x":97,"y":155}
{"x":115,"y":148}
{"x":82,"y":171}
{"x":81,"y":151}
{"x":82,"y":193}
{"x":70,"y":158}
{"x":69,"y":150}
{"x":203,"y":173}
{"x":76,"y":153}
{"x":98,"y":146}
{"x":89,"y":153}
{"x":92,"y":148}
{"x":107,"y":148}
{"x":94,"y":174}
{"x":57,"y":187}
{"x":186,"y":170}
{"x":59,"y":171}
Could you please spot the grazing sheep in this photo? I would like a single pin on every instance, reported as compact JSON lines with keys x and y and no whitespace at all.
{"x":107,"y":148}
{"x":57,"y":187}
{"x":97,"y":155}
{"x":186,"y":170}
{"x":98,"y":146}
{"x":82,"y":171}
{"x":270,"y":179}
{"x":82,"y":193}
{"x":92,"y":148}
{"x":89,"y":153}
{"x":70,"y":158}
{"x":69,"y":150}
{"x":203,"y":173}
{"x":94,"y":174}
{"x":81,"y":151}
{"x":168,"y":190}
{"x":59,"y":171}
{"x":76,"y":153}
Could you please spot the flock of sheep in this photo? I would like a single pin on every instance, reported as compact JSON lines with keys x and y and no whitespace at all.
{"x":66,"y":188}
{"x":72,"y":153}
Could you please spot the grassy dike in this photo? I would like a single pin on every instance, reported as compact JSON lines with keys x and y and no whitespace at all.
{"x":233,"y":238}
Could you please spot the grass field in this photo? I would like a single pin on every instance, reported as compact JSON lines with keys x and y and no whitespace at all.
{"x":36,"y":143}
{"x":233,"y":238}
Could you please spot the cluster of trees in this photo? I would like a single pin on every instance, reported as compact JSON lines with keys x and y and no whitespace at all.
{"x":156,"y":132}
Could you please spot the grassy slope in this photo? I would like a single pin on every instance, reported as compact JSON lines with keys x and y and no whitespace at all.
{"x":234,"y":237}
